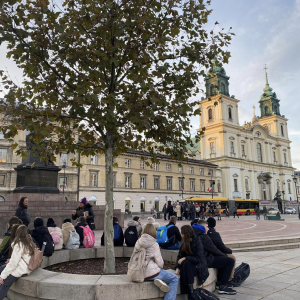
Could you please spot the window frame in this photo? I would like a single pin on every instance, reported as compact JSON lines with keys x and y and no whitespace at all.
{"x":230,"y":113}
{"x":168,"y":168}
{"x":212,"y":147}
{"x":210,"y":114}
{"x":94,"y":159}
{"x":127,"y":163}
{"x":231,"y":147}
{"x":192,"y":185}
{"x":170,"y":180}
{"x":202,"y":185}
{"x":259,"y":152}
{"x":93,"y":180}
{"x":142,"y":165}
{"x":62,"y":160}
{"x":191,"y":170}
{"x":235,"y":184}
{"x":143,"y":178}
{"x":156,"y":183}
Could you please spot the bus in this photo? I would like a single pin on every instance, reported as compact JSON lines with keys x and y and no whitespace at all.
{"x":244,"y":206}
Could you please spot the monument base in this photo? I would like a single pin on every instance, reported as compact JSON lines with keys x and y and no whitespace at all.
{"x":36,"y":189}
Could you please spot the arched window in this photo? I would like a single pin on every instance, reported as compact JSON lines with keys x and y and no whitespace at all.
{"x":211,"y":90}
{"x":259,"y":154}
{"x":219,"y":186}
{"x":266,"y":110}
{"x":229,"y":113}
{"x":275,"y":109}
{"x":222,"y":88}
{"x":210,"y":114}
{"x":282,"y":132}
{"x":247,"y":184}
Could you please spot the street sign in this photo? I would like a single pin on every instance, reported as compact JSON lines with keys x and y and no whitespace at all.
{"x":166,"y":198}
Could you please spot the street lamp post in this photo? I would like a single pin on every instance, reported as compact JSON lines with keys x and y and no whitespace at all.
{"x":64,"y":182}
{"x":295,"y":181}
{"x":182,"y":188}
{"x":212,"y":186}
{"x":283,"y":192}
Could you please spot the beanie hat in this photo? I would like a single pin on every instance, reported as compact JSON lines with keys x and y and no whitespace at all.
{"x":67,"y":221}
{"x":151,"y":220}
{"x":38,"y":222}
{"x":195,"y":221}
{"x":51,"y":223}
{"x":211,"y":222}
{"x":83,"y":201}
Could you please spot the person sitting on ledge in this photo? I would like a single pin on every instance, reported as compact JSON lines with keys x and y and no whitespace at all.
{"x":79,"y":230}
{"x":174,"y":236}
{"x":118,"y":234}
{"x":164,"y":280}
{"x":5,"y":244}
{"x":136,"y":221}
{"x":56,"y":234}
{"x":85,"y":210}
{"x":68,"y":230}
{"x":153,"y":222}
{"x":23,"y":248}
{"x":215,"y":258}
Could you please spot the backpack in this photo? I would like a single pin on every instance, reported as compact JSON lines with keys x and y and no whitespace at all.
{"x":88,"y":237}
{"x":161,"y":234}
{"x":74,"y":241}
{"x":55,"y":236}
{"x":241,"y":273}
{"x":131,"y":236}
{"x":206,"y":295}
{"x":49,"y":245}
{"x":35,"y":260}
{"x":117,"y":231}
{"x":136,"y":265}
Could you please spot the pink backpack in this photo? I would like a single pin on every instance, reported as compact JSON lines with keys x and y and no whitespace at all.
{"x":88,"y":237}
{"x":55,"y":237}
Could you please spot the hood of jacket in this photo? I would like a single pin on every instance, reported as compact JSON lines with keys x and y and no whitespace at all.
{"x":68,"y":226}
{"x":146,"y":241}
{"x":88,"y":205}
{"x":133,"y":223}
{"x":198,"y":229}
{"x":41,"y":230}
{"x":82,"y":224}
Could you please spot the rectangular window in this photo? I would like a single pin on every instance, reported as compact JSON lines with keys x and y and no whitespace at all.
{"x":2,"y":179}
{"x":181,"y":184}
{"x":284,"y":157}
{"x":168,"y":167}
{"x":212,"y":148}
{"x":156,"y":183}
{"x":192,"y":185}
{"x":231,"y":147}
{"x":201,"y":171}
{"x":289,"y":187}
{"x":62,"y":181}
{"x":93,"y":159}
{"x":127,"y":163}
{"x":243,"y":150}
{"x":235,"y":185}
{"x":155,"y":166}
{"x":202,"y":185}
{"x":142,"y":165}
{"x":191,"y":170}
{"x":210,"y":172}
{"x":127,"y":181}
{"x":274,"y":156}
{"x":93,"y":179}
{"x":64,"y":159}
{"x":169,"y":183}
{"x":143,"y":182}
{"x":180,"y":170}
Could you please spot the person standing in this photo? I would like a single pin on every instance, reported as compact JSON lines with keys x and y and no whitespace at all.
{"x":22,"y":212}
{"x":257,"y":212}
{"x":202,"y":211}
{"x":265,"y":212}
{"x":235,"y":212}
{"x":218,"y":211}
{"x":178,"y":211}
{"x":197,"y":208}
{"x":170,"y":210}
{"x":85,"y":210}
{"x":164,"y":210}
{"x":185,"y":210}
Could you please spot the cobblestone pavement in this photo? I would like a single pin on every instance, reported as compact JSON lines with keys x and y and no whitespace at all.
{"x":275,"y":275}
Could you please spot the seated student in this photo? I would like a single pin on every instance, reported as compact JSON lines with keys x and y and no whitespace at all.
{"x":5,"y":244}
{"x":164,"y":280}
{"x":190,"y":263}
{"x":42,"y":236}
{"x":131,"y":235}
{"x":217,"y":240}
{"x":12,"y":237}
{"x":70,"y":236}
{"x":174,"y":236}
{"x":81,"y":222}
{"x":23,"y":248}
{"x":136,"y":221}
{"x":56,"y":234}
{"x":153,"y":222}
{"x":118,"y":234}
{"x":215,"y":258}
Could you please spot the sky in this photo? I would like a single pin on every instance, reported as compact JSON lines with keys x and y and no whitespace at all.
{"x":266,"y":32}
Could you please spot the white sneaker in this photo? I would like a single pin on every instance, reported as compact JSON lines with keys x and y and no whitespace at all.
{"x":161,"y":285}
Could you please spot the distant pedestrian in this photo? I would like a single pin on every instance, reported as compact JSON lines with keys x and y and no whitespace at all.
{"x":235,"y":212}
{"x":170,"y":210}
{"x":164,"y":210}
{"x":22,"y":212}
{"x":226,"y":212}
{"x":178,"y":211}
{"x":265,"y":212}
{"x":193,"y":211}
{"x":257,"y":212}
{"x":218,"y":211}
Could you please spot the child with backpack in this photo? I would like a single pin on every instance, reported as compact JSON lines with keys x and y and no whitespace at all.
{"x":56,"y":234}
{"x":146,"y":263}
{"x":42,"y":237}
{"x":118,"y":234}
{"x":86,"y":235}
{"x":70,"y":236}
{"x":23,"y":248}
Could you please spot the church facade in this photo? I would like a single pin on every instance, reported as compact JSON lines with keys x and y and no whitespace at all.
{"x":254,"y":159}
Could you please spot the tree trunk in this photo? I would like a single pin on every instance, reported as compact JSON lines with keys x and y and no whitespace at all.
{"x":109,"y":263}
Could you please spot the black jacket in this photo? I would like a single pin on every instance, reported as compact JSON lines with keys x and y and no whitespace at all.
{"x":90,"y":219}
{"x":80,"y":231}
{"x":117,"y":242}
{"x":217,"y":240}
{"x":38,"y":235}
{"x":192,"y":208}
{"x":209,"y":249}
{"x":170,"y":209}
{"x":22,"y":214}
{"x":174,"y":236}
{"x":197,"y":259}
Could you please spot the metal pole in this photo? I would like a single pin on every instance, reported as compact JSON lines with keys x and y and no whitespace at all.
{"x":64,"y":166}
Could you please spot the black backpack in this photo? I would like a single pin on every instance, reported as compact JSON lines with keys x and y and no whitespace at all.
{"x":131,"y":236}
{"x":48,"y":245}
{"x":241,"y":273}
{"x":206,"y":295}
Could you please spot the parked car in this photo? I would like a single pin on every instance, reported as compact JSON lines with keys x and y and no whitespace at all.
{"x":290,"y":210}
{"x":273,"y":209}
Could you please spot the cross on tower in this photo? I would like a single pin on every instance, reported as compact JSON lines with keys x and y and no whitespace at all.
{"x":265,"y":68}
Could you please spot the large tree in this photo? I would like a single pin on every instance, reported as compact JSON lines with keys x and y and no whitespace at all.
{"x":119,"y":74}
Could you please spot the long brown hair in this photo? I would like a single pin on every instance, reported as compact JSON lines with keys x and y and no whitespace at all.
{"x":24,"y":238}
{"x":12,"y":237}
{"x":188,"y":234}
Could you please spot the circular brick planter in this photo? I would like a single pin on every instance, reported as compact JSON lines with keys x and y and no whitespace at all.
{"x":43,"y":284}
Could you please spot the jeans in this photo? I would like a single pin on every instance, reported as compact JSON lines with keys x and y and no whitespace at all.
{"x":171,"y":280}
{"x":257,"y":217}
{"x":7,"y":283}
